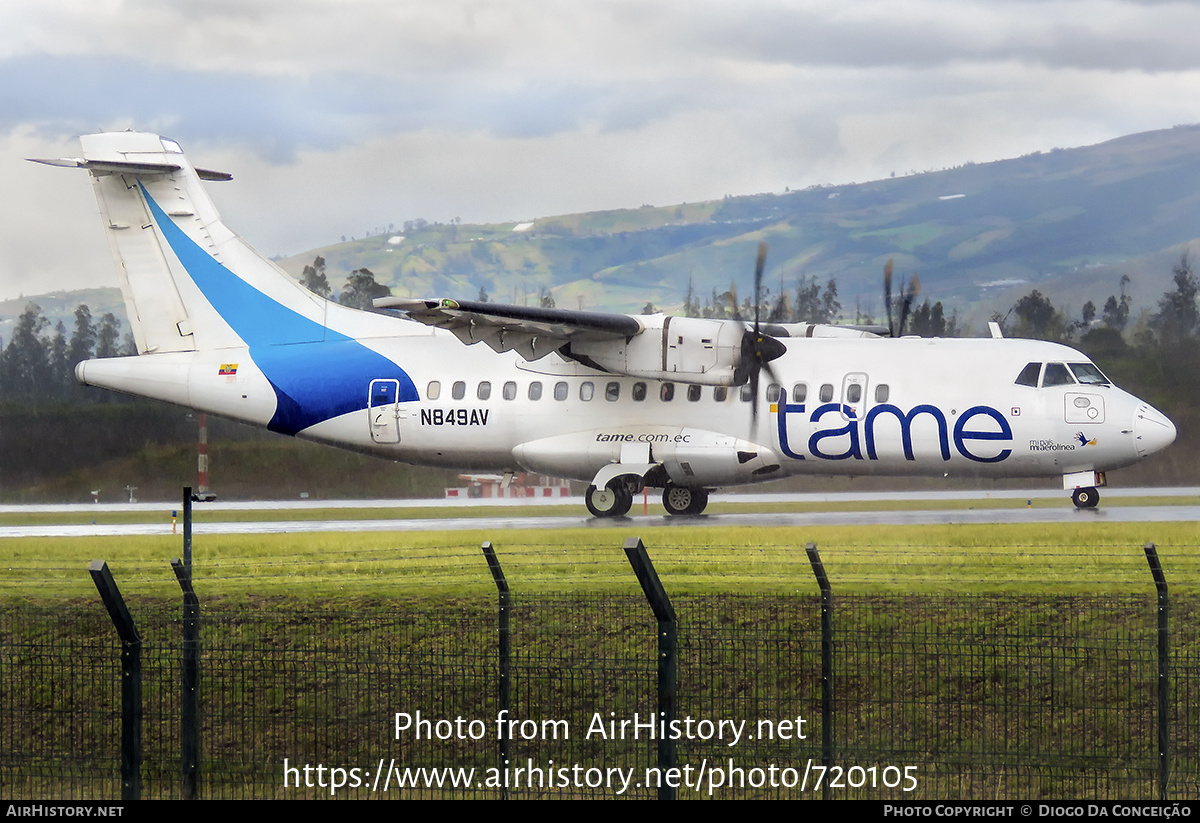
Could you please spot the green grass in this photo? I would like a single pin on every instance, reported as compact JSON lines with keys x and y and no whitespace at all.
{"x":312,"y":639}
{"x":954,"y":559}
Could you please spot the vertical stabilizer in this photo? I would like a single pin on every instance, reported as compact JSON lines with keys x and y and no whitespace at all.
{"x":189,"y":282}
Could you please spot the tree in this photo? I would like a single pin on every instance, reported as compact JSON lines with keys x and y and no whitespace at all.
{"x":361,"y":289}
{"x":83,"y":339}
{"x":807,"y":307}
{"x":25,"y":372}
{"x":313,"y":278}
{"x":928,"y":320}
{"x":691,"y":301}
{"x":1115,"y":313}
{"x":831,"y":307}
{"x":1178,"y":320}
{"x":108,"y":335}
{"x":1037,"y":317}
{"x":60,"y":370}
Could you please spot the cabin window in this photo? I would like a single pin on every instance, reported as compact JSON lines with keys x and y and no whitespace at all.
{"x":535,"y":390}
{"x":484,"y":391}
{"x":459,"y":390}
{"x":881,"y":393}
{"x":854,"y":393}
{"x":720,"y":393}
{"x":799,"y":392}
{"x":587,"y":390}
{"x":747,"y":393}
{"x":1029,"y":375}
{"x":826,"y":392}
{"x":639,"y":391}
{"x":434,"y":390}
{"x":1057,"y":375}
{"x":694,"y":393}
{"x":773,"y":393}
{"x":666,"y":392}
{"x":1088,"y":374}
{"x":510,"y":390}
{"x":612,"y":391}
{"x":560,"y":390}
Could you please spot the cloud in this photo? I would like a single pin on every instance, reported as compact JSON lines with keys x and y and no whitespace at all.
{"x":339,"y":116}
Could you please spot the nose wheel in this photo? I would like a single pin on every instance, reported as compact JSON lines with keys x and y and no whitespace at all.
{"x":1085,"y":498}
{"x":611,"y":501}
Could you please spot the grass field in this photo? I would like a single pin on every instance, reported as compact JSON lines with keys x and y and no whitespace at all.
{"x":998,"y":661}
{"x":953,"y":559}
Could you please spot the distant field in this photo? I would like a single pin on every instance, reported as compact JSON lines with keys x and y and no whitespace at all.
{"x":1039,"y":558}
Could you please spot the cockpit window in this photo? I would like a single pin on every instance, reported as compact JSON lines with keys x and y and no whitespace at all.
{"x":1029,"y":375}
{"x":1057,"y":375}
{"x":1088,"y":374}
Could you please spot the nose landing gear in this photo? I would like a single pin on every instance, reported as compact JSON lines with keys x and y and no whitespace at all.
{"x":1085,"y":498}
{"x":614,"y":500}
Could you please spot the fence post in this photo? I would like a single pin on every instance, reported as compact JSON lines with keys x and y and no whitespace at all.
{"x":189,"y":705}
{"x":131,"y":680}
{"x":826,"y":661}
{"x":187,"y":528}
{"x":504,"y":651}
{"x":1164,"y":675}
{"x":668,"y":650}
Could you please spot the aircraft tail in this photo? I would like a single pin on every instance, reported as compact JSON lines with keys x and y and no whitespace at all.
{"x":226,"y":329}
{"x":189,"y":283}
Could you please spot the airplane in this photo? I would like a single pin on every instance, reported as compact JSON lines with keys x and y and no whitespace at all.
{"x":621,"y":402}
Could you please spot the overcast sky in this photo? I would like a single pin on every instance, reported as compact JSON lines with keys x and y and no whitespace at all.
{"x":335,"y":117}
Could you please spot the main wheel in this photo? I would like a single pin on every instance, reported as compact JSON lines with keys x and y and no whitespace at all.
{"x":684,"y":500}
{"x":1085,"y":498}
{"x":611,"y":501}
{"x":677,"y":499}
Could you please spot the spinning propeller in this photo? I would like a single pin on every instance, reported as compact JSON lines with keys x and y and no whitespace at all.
{"x":758,"y":349}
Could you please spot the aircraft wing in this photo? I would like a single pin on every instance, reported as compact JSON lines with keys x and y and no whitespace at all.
{"x":532,"y":332}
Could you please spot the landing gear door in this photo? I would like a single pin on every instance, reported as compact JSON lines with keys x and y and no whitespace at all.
{"x":384,"y":411}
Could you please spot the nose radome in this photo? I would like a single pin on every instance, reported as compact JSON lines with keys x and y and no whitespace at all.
{"x":1152,"y":431}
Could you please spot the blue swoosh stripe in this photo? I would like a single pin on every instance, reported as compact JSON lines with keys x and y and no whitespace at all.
{"x":317,"y":373}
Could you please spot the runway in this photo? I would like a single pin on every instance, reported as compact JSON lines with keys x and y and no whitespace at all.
{"x":576,"y":516}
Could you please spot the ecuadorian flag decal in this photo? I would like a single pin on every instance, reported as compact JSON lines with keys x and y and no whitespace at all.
{"x":317,"y":373}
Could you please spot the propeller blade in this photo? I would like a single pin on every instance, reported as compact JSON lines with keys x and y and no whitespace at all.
{"x":759,"y":265}
{"x":909,"y":297}
{"x":887,"y":295}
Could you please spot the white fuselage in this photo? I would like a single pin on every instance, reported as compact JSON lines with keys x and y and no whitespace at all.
{"x":858,"y":406}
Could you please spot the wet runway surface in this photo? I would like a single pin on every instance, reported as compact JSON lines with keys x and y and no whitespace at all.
{"x":575,"y":516}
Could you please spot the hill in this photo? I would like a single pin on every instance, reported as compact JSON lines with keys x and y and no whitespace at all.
{"x":1069,"y":222}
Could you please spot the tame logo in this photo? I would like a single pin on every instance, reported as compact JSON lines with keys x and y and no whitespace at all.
{"x":975,"y":427}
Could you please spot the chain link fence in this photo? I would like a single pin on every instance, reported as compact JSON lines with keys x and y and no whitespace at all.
{"x":903,"y":696}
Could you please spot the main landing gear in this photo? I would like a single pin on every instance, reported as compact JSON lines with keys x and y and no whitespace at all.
{"x":615,"y":499}
{"x":1085,"y":498}
{"x":684,"y":500}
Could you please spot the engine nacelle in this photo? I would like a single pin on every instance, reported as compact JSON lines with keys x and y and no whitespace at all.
{"x":688,"y":349}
